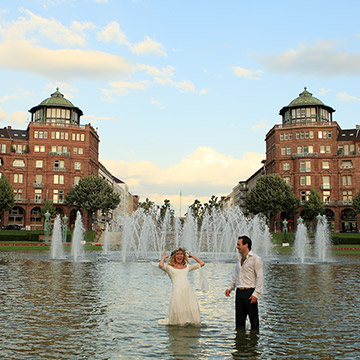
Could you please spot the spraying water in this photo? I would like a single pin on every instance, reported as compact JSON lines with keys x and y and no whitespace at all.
{"x":56,"y":240}
{"x":302,"y":246}
{"x":106,"y":246}
{"x":146,"y":236}
{"x":77,"y":250}
{"x":322,"y":239}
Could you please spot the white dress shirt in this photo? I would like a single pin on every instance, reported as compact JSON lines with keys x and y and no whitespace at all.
{"x":249,"y":274}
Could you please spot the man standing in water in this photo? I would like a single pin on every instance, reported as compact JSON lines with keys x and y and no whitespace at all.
{"x":248,"y":281}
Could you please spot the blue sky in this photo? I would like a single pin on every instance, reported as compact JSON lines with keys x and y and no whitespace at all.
{"x":182,"y":92}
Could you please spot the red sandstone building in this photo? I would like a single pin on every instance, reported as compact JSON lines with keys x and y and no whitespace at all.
{"x":310,"y":150}
{"x":46,"y":160}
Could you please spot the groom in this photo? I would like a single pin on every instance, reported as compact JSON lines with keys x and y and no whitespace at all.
{"x":248,"y":282}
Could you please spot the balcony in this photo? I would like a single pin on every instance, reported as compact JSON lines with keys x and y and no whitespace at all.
{"x":37,"y":201}
{"x":325,"y":187}
{"x":330,"y":203}
{"x":345,"y":202}
{"x":305,"y":155}
{"x":59,"y":168}
{"x":21,"y":201}
{"x":55,"y":153}
{"x":38,"y":185}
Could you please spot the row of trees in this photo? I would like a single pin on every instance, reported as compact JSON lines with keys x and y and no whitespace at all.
{"x":270,"y":196}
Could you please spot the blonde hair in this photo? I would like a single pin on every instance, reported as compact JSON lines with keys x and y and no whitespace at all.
{"x":173,"y":254}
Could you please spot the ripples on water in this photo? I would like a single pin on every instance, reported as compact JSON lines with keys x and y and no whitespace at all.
{"x":106,"y":309}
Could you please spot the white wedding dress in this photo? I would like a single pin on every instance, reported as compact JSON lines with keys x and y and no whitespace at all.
{"x":184,"y":307}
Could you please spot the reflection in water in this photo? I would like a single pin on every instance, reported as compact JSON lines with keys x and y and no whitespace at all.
{"x":183,"y":341}
{"x":245,"y":345}
{"x":107,"y":309}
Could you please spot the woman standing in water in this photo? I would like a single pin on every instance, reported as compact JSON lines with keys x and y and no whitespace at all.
{"x":184,"y":307}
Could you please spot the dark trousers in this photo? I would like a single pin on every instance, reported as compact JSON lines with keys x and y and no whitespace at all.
{"x":243,"y":308}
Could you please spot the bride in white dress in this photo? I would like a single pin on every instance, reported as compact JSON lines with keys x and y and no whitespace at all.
{"x":184,"y":307}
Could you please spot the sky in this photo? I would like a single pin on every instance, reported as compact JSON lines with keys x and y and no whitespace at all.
{"x":181,"y":92}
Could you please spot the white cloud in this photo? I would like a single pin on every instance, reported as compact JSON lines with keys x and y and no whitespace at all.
{"x":154,"y":71}
{"x":33,"y":26}
{"x":62,"y":64}
{"x":247,"y":74}
{"x":203,"y":169}
{"x":344,"y":96}
{"x":260,"y":125}
{"x":148,"y":46}
{"x":322,"y":59}
{"x":6,"y":98}
{"x":112,"y":32}
{"x":158,"y":104}
{"x":184,"y":86}
{"x":204,"y":91}
{"x":121,"y":88}
{"x":2,"y":114}
{"x":19,"y":117}
{"x":323,"y":91}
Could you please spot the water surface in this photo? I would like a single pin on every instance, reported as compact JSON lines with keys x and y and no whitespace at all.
{"x":107,"y":309}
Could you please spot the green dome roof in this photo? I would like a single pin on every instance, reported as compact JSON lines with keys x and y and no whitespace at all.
{"x":57,"y":99}
{"x":305,"y":98}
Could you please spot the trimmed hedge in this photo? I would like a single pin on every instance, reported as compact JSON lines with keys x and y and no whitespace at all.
{"x":23,"y":235}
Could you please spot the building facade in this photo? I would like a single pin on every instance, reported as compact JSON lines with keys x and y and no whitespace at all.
{"x":310,"y":150}
{"x":47,"y":159}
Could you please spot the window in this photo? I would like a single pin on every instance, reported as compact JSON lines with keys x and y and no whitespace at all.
{"x":326,"y":182}
{"x":38,"y":179}
{"x":326,"y":197}
{"x":290,"y":136}
{"x":299,"y":149}
{"x":59,"y":165}
{"x":347,"y":180}
{"x":59,"y":179}
{"x":76,"y":180}
{"x":58,"y":196}
{"x":287,"y":180}
{"x":311,"y":134}
{"x":18,"y":194}
{"x":19,"y":163}
{"x":288,"y":150}
{"x":3,"y":148}
{"x":286,"y":166}
{"x":304,"y":195}
{"x":326,"y":165}
{"x":18,"y":178}
{"x":77,"y":165}
{"x":305,"y":180}
{"x":305,"y":166}
{"x":347,"y":195}
{"x":328,"y":149}
{"x":322,"y":149}
{"x":38,"y":194}
{"x":39,"y":163}
{"x":281,"y":137}
{"x":297,"y":135}
{"x":320,"y":134}
{"x":346,"y":164}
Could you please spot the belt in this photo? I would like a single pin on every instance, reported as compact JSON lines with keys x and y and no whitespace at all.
{"x":244,"y":288}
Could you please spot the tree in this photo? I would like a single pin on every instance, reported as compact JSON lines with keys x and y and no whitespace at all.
{"x":92,"y":194}
{"x":147,"y":205}
{"x":271,"y":195}
{"x":213,"y":204}
{"x":48,"y":207}
{"x":313,"y":206}
{"x":164,"y":208}
{"x":196,"y":209}
{"x":7,"y":197}
{"x":356,"y":203}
